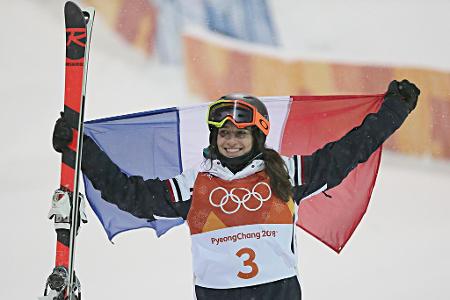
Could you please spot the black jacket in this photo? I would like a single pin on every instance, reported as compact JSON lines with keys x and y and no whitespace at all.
{"x":328,"y":165}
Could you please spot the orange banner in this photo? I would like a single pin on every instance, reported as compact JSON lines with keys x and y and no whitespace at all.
{"x":215,"y":67}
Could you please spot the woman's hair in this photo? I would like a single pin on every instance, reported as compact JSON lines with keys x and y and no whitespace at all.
{"x":275,"y":167}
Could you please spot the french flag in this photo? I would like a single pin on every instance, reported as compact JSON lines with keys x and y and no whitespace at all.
{"x":163,"y":143}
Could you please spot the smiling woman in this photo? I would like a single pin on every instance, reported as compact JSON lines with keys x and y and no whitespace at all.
{"x":243,"y":188}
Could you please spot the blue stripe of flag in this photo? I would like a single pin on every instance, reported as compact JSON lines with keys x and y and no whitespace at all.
{"x":146,"y":144}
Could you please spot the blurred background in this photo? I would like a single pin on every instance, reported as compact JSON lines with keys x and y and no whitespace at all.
{"x":148,"y":54}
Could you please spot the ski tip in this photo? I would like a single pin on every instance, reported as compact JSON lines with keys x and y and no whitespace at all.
{"x":76,"y":14}
{"x":73,"y":15}
{"x":69,"y":6}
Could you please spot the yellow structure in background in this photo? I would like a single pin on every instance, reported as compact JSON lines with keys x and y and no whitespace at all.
{"x":133,"y":20}
{"x":215,"y":68}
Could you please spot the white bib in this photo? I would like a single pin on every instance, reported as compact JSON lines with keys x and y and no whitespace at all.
{"x":243,"y":255}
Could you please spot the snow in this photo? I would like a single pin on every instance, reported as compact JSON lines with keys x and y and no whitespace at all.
{"x":399,"y":251}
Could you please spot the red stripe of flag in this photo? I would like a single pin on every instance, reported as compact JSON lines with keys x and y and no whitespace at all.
{"x":312,"y":122}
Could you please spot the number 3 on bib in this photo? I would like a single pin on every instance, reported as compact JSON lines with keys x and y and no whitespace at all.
{"x":248,"y":263}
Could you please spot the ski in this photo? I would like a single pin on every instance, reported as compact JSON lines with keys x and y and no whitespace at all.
{"x":66,"y":201}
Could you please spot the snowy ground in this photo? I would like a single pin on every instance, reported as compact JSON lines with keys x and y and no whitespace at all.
{"x":400,"y":250}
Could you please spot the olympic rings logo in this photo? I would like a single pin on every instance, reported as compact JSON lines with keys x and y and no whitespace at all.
{"x":238,"y":200}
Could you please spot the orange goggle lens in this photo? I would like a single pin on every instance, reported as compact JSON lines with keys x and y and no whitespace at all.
{"x":240,"y":113}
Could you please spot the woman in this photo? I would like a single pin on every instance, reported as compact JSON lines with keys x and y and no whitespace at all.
{"x":240,"y":204}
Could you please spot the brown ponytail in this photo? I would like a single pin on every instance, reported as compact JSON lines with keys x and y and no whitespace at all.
{"x":278,"y":174}
{"x":275,"y":168}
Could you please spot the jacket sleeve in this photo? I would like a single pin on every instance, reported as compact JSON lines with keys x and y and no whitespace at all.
{"x":148,"y":199}
{"x":328,"y":166}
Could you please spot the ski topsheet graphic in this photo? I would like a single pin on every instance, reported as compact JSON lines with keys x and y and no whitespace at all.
{"x":68,"y":208}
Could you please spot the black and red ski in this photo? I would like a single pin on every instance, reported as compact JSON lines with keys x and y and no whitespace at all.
{"x":62,"y":282}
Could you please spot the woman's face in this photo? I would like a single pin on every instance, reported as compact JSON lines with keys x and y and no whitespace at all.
{"x":234,"y":142}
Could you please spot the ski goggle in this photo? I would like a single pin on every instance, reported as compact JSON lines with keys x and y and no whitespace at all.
{"x":239,"y":112}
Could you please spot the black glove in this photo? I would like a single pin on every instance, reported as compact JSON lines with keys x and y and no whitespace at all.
{"x":404,"y":90}
{"x":62,"y":135}
{"x":410,"y":92}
